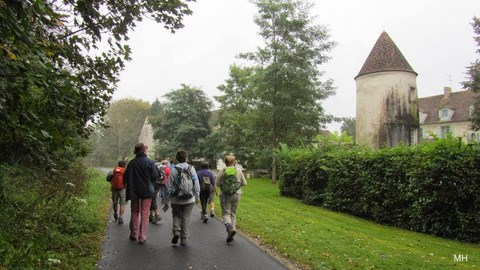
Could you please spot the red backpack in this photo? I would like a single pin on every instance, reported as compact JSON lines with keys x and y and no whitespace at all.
{"x":117,"y":180}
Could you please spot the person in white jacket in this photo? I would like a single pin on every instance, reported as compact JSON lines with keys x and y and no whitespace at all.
{"x":182,"y":200}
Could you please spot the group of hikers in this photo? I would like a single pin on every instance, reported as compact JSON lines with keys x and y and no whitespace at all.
{"x":142,"y":180}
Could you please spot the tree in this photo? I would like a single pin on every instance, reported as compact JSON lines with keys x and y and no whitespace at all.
{"x":473,"y":76}
{"x":335,"y":138}
{"x":56,"y":75}
{"x":288,"y":87}
{"x":348,"y":126}
{"x":235,"y":122}
{"x":124,"y":120}
{"x":185,"y":121}
{"x":156,"y":116}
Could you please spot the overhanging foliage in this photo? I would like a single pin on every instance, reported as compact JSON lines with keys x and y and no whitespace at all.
{"x":59,"y":65}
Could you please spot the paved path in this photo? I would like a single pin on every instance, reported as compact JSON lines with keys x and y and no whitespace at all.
{"x":206,"y":248}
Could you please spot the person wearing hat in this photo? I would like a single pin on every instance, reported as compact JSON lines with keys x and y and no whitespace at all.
{"x":140,"y":175}
{"x":230,"y":181}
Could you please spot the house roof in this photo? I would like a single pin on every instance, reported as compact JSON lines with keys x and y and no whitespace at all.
{"x":385,"y":56}
{"x":459,"y":102}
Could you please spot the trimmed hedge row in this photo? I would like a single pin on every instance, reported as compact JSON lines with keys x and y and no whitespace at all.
{"x":431,"y":188}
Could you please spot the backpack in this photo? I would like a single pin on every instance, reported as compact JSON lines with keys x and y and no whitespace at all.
{"x":161,"y":174}
{"x":230,"y":184}
{"x":206,"y":183}
{"x":109,"y":176}
{"x":117,"y":179}
{"x":184,"y":185}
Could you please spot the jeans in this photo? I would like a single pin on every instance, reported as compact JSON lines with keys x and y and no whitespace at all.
{"x":181,"y":219}
{"x":163,"y":193}
{"x":140,"y":209}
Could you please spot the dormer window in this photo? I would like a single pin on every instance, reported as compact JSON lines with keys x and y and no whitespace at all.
{"x":445,"y":114}
{"x":422,"y":117}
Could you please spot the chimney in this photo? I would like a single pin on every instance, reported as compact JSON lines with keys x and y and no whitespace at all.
{"x":447,"y":91}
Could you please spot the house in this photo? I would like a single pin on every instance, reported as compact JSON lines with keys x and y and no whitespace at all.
{"x":447,"y":114}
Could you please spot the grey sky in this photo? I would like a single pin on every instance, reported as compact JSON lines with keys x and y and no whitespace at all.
{"x":435,"y":36}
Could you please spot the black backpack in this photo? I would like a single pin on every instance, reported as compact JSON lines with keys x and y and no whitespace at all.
{"x":109,"y":176}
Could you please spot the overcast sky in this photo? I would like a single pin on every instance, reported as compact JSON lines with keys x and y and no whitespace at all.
{"x":435,"y":36}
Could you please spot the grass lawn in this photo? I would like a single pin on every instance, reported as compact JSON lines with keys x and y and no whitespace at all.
{"x":322,"y":239}
{"x":97,"y":203}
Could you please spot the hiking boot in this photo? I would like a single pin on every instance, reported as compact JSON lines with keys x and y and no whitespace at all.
{"x":231,"y":233}
{"x":120,"y":220}
{"x":151,"y":218}
{"x":156,"y":219}
{"x":212,"y":214}
{"x":175,"y":239}
{"x":205,"y":219}
{"x":183,"y":241}
{"x":202,"y":217}
{"x":115,"y":216}
{"x":133,"y":238}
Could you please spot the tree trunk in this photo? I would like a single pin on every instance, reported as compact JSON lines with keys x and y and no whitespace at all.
{"x":274,"y":170}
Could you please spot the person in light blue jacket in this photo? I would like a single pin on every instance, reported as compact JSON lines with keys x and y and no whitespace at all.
{"x":181,"y":199}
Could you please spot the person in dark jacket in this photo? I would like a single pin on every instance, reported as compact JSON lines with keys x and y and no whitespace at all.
{"x":140,"y":174}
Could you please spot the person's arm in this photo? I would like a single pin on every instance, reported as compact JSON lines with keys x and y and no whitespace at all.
{"x":154,"y":172}
{"x":221,"y":175}
{"x":170,"y":184}
{"x":195,"y":182}
{"x":243,"y":181}
{"x":212,"y":178}
{"x":126,"y":180}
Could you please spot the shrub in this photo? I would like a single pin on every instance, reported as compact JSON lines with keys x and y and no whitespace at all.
{"x":430,"y":188}
{"x":41,"y":215}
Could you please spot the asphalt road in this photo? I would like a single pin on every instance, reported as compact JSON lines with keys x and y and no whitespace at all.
{"x":206,"y":247}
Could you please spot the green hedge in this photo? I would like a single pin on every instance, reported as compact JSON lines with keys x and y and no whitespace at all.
{"x":431,"y":188}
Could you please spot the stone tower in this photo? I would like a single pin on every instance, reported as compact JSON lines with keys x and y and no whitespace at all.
{"x":387,"y":100}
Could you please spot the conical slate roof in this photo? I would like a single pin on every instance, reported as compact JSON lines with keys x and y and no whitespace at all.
{"x":385,"y":56}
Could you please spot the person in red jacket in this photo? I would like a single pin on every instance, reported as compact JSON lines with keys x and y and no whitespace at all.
{"x":118,"y":187}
